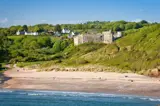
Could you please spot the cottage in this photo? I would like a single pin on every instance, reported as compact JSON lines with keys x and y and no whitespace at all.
{"x":31,"y":33}
{"x":65,"y":31}
{"x":20,"y":32}
{"x":26,"y":33}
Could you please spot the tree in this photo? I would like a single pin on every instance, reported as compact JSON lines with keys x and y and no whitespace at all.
{"x":36,"y":29}
{"x":13,"y":29}
{"x":78,"y":26}
{"x":25,"y":27}
{"x":21,"y":29}
{"x":0,"y":66}
{"x":144,"y":22}
{"x":64,"y":44}
{"x":58,"y":28}
{"x":4,"y":45}
{"x":34,"y":45}
{"x":57,"y":46}
{"x":44,"y":42}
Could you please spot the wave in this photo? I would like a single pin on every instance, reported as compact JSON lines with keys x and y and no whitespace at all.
{"x":77,"y":94}
{"x":5,"y":91}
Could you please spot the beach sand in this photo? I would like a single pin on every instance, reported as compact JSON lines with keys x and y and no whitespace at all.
{"x":101,"y":82}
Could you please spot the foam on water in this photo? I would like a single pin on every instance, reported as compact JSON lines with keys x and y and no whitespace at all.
{"x":76,"y":97}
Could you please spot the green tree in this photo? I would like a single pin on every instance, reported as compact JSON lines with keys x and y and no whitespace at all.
{"x":58,"y":28}
{"x":4,"y":45}
{"x":144,"y":22}
{"x":44,"y":42}
{"x":25,"y":27}
{"x":36,"y":29}
{"x":34,"y":45}
{"x":64,"y":44}
{"x":57,"y":46}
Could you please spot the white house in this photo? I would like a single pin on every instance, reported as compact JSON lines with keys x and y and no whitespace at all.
{"x":65,"y":31}
{"x":26,"y":33}
{"x":71,"y":35}
{"x":20,"y":32}
{"x":117,"y":35}
{"x":31,"y":33}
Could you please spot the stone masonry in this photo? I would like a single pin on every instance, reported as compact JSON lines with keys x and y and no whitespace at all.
{"x":106,"y":37}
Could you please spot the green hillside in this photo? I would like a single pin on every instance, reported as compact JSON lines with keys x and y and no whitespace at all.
{"x":137,"y":50}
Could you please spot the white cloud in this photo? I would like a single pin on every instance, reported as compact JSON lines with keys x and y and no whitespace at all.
{"x":5,"y":20}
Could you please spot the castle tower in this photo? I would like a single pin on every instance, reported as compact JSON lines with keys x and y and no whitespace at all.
{"x":108,"y":37}
{"x":79,"y":39}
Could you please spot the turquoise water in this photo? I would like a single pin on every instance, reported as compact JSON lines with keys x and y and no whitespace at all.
{"x":55,"y":98}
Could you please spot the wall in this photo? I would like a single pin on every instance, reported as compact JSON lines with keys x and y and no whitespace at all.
{"x":106,"y":37}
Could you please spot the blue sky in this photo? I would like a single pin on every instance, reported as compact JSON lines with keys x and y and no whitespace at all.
{"x":30,"y":12}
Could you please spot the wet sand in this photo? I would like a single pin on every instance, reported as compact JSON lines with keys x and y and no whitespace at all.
{"x":101,"y":82}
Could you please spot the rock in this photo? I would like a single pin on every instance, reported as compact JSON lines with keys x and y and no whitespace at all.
{"x":158,"y":68}
{"x":131,"y":80}
{"x":126,"y":76}
{"x":155,"y":72}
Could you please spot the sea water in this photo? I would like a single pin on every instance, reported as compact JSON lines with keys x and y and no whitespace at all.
{"x":57,"y":98}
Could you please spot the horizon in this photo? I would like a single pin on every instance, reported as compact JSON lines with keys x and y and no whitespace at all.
{"x":68,"y":12}
{"x":77,"y":23}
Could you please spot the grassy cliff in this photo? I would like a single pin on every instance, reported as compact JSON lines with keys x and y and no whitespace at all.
{"x":137,"y":50}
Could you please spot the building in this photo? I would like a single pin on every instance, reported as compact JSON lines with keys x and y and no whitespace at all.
{"x":26,"y":33}
{"x":31,"y":33}
{"x":57,"y":33}
{"x":65,"y":31}
{"x":20,"y":32}
{"x":71,"y":35}
{"x":105,"y":37}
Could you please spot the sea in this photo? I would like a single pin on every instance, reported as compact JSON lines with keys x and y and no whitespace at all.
{"x":59,"y":98}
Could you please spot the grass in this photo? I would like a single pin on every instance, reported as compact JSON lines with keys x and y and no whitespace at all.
{"x":28,"y":64}
{"x":138,"y":51}
{"x":3,"y":68}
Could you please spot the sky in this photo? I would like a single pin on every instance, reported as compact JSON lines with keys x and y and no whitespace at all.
{"x":31,"y":12}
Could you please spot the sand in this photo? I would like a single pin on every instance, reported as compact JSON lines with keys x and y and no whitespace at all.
{"x":101,"y":82}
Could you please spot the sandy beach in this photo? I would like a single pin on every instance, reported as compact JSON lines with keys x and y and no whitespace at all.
{"x":102,"y":82}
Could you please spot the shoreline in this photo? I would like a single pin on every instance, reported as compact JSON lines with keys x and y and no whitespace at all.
{"x":79,"y":92}
{"x":89,"y":82}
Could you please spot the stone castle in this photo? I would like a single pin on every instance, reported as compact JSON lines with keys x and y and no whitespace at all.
{"x":105,"y":37}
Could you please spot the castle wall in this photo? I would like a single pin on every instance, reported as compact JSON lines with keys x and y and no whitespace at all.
{"x":106,"y":37}
{"x":76,"y":40}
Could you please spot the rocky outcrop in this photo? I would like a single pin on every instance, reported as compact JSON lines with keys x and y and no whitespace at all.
{"x":155,"y":72}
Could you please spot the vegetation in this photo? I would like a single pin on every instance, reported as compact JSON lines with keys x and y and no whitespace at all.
{"x":95,"y":26}
{"x":138,"y":50}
